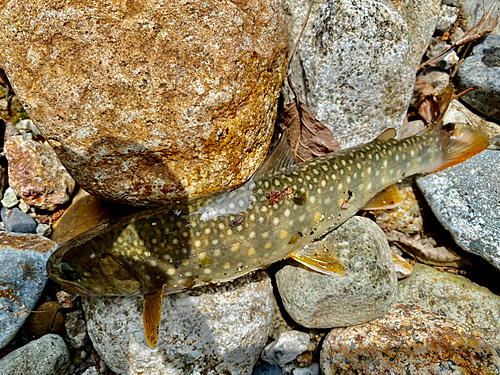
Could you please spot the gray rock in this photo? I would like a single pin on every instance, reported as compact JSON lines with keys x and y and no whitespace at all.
{"x":22,"y":278}
{"x":267,"y":370}
{"x":364,"y":293}
{"x":286,"y":348}
{"x":9,"y":198}
{"x":455,"y":297}
{"x":354,"y":63}
{"x":410,"y":340}
{"x":471,"y":12}
{"x":481,"y":71}
{"x":76,"y":329}
{"x":91,"y":371}
{"x":43,"y":230}
{"x":465,"y":200}
{"x":45,"y":356}
{"x":421,"y":17}
{"x":447,"y":18}
{"x":436,"y":46}
{"x":209,"y":330}
{"x":16,"y":220}
{"x":311,"y":370}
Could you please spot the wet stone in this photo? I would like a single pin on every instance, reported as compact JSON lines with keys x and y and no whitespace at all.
{"x":45,"y":356}
{"x":310,"y":370}
{"x":455,"y":297}
{"x":210,"y":330}
{"x":17,"y":221}
{"x":286,"y":347}
{"x":267,"y":369}
{"x":410,"y":340}
{"x":365,"y":292}
{"x":22,"y":278}
{"x":481,"y":71}
{"x":465,"y":200}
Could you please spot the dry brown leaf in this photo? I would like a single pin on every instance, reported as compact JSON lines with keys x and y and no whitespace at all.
{"x":424,"y":249}
{"x":308,"y":137}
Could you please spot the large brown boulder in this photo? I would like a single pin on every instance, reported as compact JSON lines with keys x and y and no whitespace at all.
{"x":147,"y":101}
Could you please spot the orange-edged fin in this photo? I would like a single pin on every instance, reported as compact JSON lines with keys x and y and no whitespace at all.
{"x":151,"y":316}
{"x":459,"y":142}
{"x":387,"y":198}
{"x":386,"y":135}
{"x":320,"y":256}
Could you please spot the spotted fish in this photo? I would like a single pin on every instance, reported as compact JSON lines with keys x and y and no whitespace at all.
{"x":278,"y":213}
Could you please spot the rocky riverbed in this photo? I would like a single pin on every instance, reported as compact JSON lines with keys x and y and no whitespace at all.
{"x":422,"y":293}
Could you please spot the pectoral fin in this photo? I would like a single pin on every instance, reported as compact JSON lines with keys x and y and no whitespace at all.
{"x":387,"y":198}
{"x":320,"y":256}
{"x":151,"y":316}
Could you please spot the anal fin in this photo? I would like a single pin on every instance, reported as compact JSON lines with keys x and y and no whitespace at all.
{"x":320,"y":256}
{"x":151,"y":315}
{"x":387,"y":198}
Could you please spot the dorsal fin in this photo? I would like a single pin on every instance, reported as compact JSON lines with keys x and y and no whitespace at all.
{"x":386,"y":135}
{"x":387,"y":198}
{"x":281,"y":157}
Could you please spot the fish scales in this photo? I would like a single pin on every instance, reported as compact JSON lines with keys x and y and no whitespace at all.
{"x":196,"y":243}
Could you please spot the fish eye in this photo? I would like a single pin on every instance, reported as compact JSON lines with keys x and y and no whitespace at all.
{"x":68,"y":272}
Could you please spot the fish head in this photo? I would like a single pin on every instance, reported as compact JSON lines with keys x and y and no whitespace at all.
{"x":87,"y":271}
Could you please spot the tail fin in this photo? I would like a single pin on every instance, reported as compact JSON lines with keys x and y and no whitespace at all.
{"x":458,"y":142}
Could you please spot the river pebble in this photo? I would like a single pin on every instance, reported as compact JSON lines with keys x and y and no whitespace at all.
{"x":286,"y":347}
{"x":410,"y":340}
{"x":36,"y":173}
{"x":465,"y":200}
{"x":16,"y":220}
{"x":455,"y":297}
{"x":481,"y":71}
{"x":76,"y":328}
{"x":364,"y":293}
{"x":22,"y":278}
{"x":210,"y":330}
{"x":9,"y":198}
{"x":45,"y":356}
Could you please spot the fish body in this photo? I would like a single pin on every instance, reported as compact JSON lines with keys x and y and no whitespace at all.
{"x":224,"y":235}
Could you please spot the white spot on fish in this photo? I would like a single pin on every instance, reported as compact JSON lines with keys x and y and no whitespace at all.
{"x":276,"y":221}
{"x":312,"y":199}
{"x":171,"y":271}
{"x":287,"y":212}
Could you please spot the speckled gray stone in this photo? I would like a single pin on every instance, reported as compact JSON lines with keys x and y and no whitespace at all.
{"x":409,"y":340}
{"x":455,"y":297}
{"x":22,"y":278}
{"x":76,"y":329}
{"x":471,"y":12}
{"x":354,"y":63}
{"x":364,"y":293}
{"x":481,"y":71}
{"x":45,"y":356}
{"x":465,"y":200}
{"x":447,"y":17}
{"x":211,"y":330}
{"x":286,"y":347}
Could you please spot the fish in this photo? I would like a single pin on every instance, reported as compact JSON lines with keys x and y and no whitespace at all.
{"x":280,"y":212}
